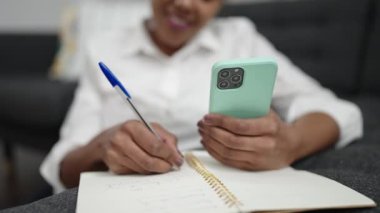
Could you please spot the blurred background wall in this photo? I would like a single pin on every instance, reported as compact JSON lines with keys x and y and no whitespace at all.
{"x":30,"y":15}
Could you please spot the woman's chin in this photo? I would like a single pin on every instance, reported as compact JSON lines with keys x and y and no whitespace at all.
{"x":175,"y":42}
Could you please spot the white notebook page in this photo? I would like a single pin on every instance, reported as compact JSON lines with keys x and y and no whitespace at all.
{"x":186,"y":191}
{"x":285,"y":189}
{"x":176,"y":191}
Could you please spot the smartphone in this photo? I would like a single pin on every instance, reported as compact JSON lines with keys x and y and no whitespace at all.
{"x":242,"y":88}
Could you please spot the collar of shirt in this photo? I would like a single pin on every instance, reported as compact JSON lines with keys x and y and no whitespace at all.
{"x":138,"y":41}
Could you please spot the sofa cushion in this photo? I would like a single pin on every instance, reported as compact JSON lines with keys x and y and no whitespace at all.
{"x":323,"y":37}
{"x":371,"y":78}
{"x":34,"y":102}
{"x":26,"y":54}
{"x":369,"y":105}
{"x":32,"y":110}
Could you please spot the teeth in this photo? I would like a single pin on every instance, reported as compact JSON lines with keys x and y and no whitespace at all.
{"x":178,"y":20}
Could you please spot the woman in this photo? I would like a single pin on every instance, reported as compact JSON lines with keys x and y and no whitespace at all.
{"x":165,"y":62}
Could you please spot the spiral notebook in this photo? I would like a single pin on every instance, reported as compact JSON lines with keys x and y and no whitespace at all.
{"x":204,"y":185}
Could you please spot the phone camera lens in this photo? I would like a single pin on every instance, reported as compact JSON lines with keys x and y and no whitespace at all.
{"x":236,"y":78}
{"x":224,"y":74}
{"x":223,"y":84}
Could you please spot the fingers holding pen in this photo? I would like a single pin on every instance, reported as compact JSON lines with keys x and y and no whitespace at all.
{"x":132,"y":148}
{"x":128,"y":149}
{"x":165,"y":149}
{"x":171,"y":140}
{"x":121,"y":164}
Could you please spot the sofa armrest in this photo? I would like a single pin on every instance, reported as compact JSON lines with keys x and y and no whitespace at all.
{"x":27,"y":54}
{"x":34,"y":102}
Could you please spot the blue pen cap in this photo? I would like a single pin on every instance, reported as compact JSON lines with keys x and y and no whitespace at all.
{"x":112,"y":78}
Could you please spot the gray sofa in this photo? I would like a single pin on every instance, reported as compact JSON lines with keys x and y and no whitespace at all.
{"x":335,"y":41}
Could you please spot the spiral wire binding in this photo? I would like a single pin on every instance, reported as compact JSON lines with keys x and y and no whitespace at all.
{"x":216,"y":184}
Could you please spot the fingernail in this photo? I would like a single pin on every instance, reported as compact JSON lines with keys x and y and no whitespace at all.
{"x":200,"y":123}
{"x":175,"y":167}
{"x":179,"y":161}
{"x":207,"y":120}
{"x":180,"y":153}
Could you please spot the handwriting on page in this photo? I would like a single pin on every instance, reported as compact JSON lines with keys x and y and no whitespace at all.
{"x":171,"y":192}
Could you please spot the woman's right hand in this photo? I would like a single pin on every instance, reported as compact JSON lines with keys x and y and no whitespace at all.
{"x":131,"y":148}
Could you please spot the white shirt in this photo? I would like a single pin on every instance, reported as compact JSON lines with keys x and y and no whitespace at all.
{"x":174,"y":91}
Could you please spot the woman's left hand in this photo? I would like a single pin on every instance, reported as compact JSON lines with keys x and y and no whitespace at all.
{"x":252,"y":144}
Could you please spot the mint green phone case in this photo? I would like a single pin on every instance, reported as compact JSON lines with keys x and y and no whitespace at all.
{"x":253,"y":98}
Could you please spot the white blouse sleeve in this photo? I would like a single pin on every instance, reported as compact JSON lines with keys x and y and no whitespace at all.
{"x":297,"y":94}
{"x":81,"y":124}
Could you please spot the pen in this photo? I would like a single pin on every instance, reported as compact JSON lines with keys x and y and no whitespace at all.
{"x":125,"y":95}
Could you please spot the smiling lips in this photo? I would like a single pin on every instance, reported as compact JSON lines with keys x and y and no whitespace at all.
{"x":178,"y":23}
